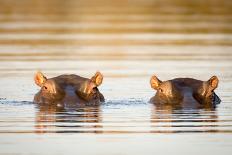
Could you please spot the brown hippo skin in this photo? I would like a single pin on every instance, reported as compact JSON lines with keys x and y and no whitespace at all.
{"x":185,"y":92}
{"x":68,"y":89}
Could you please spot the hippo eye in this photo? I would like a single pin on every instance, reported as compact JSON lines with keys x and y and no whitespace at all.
{"x":45,"y":87}
{"x":94,"y":90}
{"x":161,"y":90}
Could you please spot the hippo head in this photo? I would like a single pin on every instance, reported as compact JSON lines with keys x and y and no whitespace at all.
{"x":185,"y":91}
{"x":68,"y":89}
{"x":88,"y":90}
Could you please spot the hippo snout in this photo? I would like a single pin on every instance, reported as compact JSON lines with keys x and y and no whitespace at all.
{"x":216,"y":99}
{"x":188,"y":99}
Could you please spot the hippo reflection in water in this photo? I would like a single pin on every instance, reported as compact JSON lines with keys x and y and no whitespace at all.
{"x":185,"y":92}
{"x":71,"y":89}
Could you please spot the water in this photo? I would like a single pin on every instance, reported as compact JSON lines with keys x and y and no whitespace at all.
{"x":128,"y":41}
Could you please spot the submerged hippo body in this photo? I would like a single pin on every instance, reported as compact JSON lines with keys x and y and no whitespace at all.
{"x":68,"y":89}
{"x":185,"y":92}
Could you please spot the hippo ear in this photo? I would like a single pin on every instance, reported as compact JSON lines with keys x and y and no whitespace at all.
{"x":97,"y":78}
{"x":155,"y":82}
{"x":213,"y":82}
{"x":39,"y":79}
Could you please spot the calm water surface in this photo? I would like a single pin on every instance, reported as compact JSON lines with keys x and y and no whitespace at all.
{"x":128,"y":41}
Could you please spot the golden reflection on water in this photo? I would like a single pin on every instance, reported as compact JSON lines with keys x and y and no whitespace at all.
{"x":50,"y":119}
{"x":180,"y":120}
{"x":128,"y":41}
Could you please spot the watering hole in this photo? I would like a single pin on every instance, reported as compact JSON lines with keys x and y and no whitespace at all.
{"x":128,"y":41}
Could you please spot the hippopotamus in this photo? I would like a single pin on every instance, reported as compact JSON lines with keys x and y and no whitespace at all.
{"x":185,"y":92}
{"x":68,"y":89}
